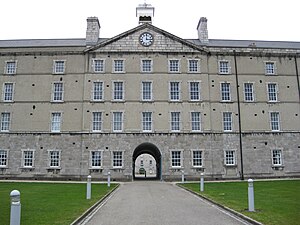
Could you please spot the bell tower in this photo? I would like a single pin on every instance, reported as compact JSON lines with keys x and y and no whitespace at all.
{"x":145,"y":13}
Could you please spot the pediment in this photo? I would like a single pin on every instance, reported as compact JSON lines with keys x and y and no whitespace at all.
{"x":129,"y":41}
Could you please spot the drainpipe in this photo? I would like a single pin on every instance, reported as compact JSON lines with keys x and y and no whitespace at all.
{"x":239,"y":115}
{"x":297,"y":75}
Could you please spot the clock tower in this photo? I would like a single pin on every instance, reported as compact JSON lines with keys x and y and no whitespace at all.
{"x":145,"y":13}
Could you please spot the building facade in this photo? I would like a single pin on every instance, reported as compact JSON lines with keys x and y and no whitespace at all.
{"x":74,"y":107}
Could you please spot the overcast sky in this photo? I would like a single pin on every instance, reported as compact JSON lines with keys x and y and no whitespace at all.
{"x":227,"y":19}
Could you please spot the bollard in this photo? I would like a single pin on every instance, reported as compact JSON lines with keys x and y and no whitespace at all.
{"x":88,"y":187}
{"x":202,"y":182}
{"x":250,"y":196}
{"x":182,"y":176}
{"x":108,"y":179}
{"x":15,"y":210}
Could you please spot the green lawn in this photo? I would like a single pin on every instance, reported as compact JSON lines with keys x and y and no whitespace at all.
{"x":49,"y":203}
{"x":276,"y":202}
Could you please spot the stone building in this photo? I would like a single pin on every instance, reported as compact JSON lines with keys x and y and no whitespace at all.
{"x":73,"y":107}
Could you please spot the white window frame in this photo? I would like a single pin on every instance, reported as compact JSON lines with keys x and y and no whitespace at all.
{"x":55,"y":125}
{"x":97,"y":123}
{"x":4,"y":158}
{"x":176,"y":162}
{"x":116,"y":66}
{"x":98,"y":91}
{"x":147,"y":121}
{"x":196,"y":159}
{"x":249,"y":92}
{"x":230,"y":157}
{"x":225,"y":93}
{"x":146,"y":68}
{"x":145,"y":92}
{"x":175,"y":123}
{"x":25,"y":158}
{"x":118,"y":92}
{"x":272,"y":95}
{"x":58,"y":166}
{"x":59,"y":66}
{"x":120,"y":160}
{"x":58,"y":92}
{"x":5,"y":121}
{"x":8,"y":70}
{"x":99,"y":153}
{"x":174,"y":68}
{"x":277,"y":156}
{"x":98,"y":68}
{"x":175,"y":95}
{"x":227,"y":123}
{"x":191,"y":68}
{"x":270,"y":70}
{"x":224,"y":69}
{"x":115,"y":123}
{"x":196,"y":123}
{"x":8,"y":93}
{"x":274,"y":124}
{"x":193,"y":92}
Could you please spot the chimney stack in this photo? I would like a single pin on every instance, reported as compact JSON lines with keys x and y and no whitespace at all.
{"x":202,"y":30}
{"x":92,"y":31}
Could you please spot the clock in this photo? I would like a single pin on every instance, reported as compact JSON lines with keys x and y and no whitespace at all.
{"x":146,"y":39}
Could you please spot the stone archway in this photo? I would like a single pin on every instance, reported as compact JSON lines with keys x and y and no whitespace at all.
{"x":151,"y":149}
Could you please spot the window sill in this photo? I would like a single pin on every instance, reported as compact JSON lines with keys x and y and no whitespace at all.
{"x":96,"y":170}
{"x":278,"y":167}
{"x":230,"y":166}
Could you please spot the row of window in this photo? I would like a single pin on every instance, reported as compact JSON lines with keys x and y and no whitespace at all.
{"x":118,"y":91}
{"x":146,"y":66}
{"x":146,"y":121}
{"x":117,"y":158}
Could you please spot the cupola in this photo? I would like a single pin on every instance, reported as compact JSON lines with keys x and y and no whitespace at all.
{"x":145,"y":13}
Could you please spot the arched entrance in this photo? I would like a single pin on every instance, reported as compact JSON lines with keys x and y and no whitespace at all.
{"x":151,"y":149}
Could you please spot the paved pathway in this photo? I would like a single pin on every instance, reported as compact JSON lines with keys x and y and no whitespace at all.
{"x":158,"y":203}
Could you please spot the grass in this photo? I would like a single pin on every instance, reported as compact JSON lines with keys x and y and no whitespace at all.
{"x":276,"y":202}
{"x":49,"y":203}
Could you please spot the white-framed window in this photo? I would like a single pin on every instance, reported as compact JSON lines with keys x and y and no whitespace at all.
{"x":8,"y":92}
{"x":146,"y":91}
{"x":277,"y":157}
{"x":248,"y":92}
{"x":194,"y":90}
{"x":54,"y":158}
{"x":146,"y":65}
{"x":230,"y":158}
{"x":56,"y":121}
{"x":58,"y":92}
{"x":196,"y":121}
{"x":272,"y":92}
{"x":59,"y":66}
{"x":275,"y":121}
{"x":10,"y":67}
{"x":174,"y":66}
{"x":98,"y":65}
{"x":119,"y":66}
{"x":5,"y":122}
{"x":224,"y":67}
{"x":147,"y":121}
{"x":3,"y":158}
{"x":96,"y":159}
{"x":117,"y":159}
{"x":28,"y":158}
{"x":117,"y":121}
{"x":174,"y":91}
{"x":176,"y":158}
{"x":197,"y":158}
{"x":193,"y":66}
{"x":227,"y":121}
{"x":270,"y":68}
{"x":118,"y":91}
{"x":97,"y":122}
{"x":97,"y":91}
{"x":175,"y":121}
{"x":225,"y":92}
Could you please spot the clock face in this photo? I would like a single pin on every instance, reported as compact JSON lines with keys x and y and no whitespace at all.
{"x":146,"y":39}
